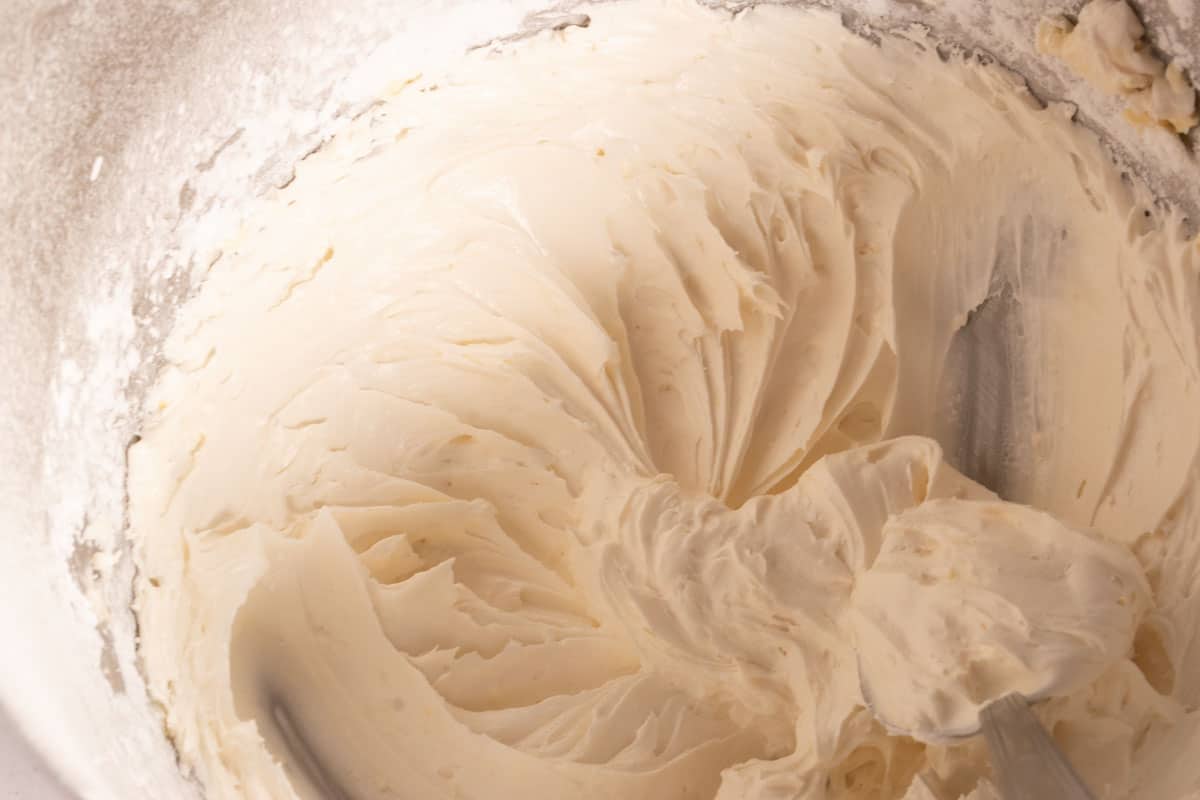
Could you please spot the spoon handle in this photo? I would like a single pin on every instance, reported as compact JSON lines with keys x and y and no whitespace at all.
{"x":1026,"y":762}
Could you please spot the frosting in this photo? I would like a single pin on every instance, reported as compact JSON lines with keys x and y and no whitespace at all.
{"x":1106,"y":47}
{"x":968,"y":601}
{"x":570,"y":427}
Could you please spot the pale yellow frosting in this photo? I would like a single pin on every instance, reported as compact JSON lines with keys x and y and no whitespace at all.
{"x":1106,"y":47}
{"x":566,"y":429}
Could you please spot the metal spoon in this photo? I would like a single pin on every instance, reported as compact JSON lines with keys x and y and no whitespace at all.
{"x":981,"y":398}
{"x":1026,"y":762}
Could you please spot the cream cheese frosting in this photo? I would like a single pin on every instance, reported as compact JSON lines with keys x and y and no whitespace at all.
{"x":1106,"y":46}
{"x":569,"y":428}
{"x":967,"y":602}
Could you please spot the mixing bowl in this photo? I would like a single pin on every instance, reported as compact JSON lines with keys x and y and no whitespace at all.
{"x":136,"y":134}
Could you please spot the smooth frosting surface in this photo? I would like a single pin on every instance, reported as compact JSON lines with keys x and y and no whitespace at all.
{"x":569,"y":428}
{"x":967,"y":602}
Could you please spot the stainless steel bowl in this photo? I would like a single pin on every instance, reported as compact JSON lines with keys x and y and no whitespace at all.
{"x":134,"y":134}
